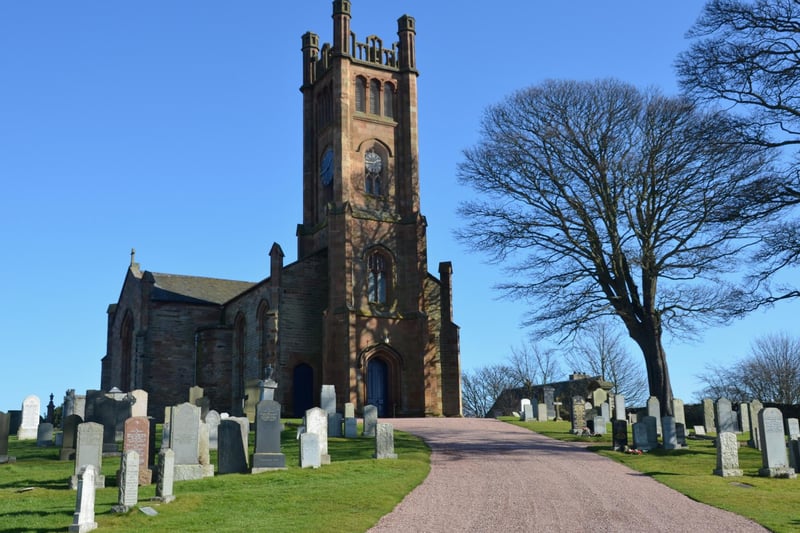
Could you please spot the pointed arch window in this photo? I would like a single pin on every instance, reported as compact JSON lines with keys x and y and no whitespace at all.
{"x":388,"y":100}
{"x":375,"y":97}
{"x":361,"y":94}
{"x":379,"y":268}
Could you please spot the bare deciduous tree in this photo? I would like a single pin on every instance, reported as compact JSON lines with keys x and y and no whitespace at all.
{"x":482,"y":387}
{"x":613,"y":201}
{"x":747,"y":54}
{"x":770,"y":373}
{"x":599,"y":351}
{"x":531,"y":364}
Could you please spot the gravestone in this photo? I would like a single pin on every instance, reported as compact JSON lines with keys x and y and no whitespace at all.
{"x":267,"y":455}
{"x":619,"y":407}
{"x":83,"y":518}
{"x":309,"y":450}
{"x":678,"y":411}
{"x":184,"y":440}
{"x":204,"y":453}
{"x":165,"y":428}
{"x":335,"y":425}
{"x":727,"y":455}
{"x":316,"y":421}
{"x":349,"y":410}
{"x":244,"y":427}
{"x":680,"y":434}
{"x":525,"y":402}
{"x":5,"y":430}
{"x":599,"y":425}
{"x":136,"y":438}
{"x":549,"y":398}
{"x":370,"y":420}
{"x":44,"y":435}
{"x":252,"y":395}
{"x":139,"y":404}
{"x":384,"y":442}
{"x":527,"y":413}
{"x":605,"y":412}
{"x":350,"y":428}
{"x":794,"y":454}
{"x":127,"y":482}
{"x":204,"y":404}
{"x":213,"y":421}
{"x":112,"y":413}
{"x":654,"y":410}
{"x":619,"y":434}
{"x":670,"y":437}
{"x":69,"y":437}
{"x":578,"y":414}
{"x":775,"y":462}
{"x":195,"y":393}
{"x":755,"y":408}
{"x":15,"y":420}
{"x":640,"y":437}
{"x":92,"y":395}
{"x":166,"y":476}
{"x":541,"y":412}
{"x":89,"y":451}
{"x":68,"y":406}
{"x":700,"y":431}
{"x":708,"y":415}
{"x":327,"y":399}
{"x":723,"y":416}
{"x":231,"y":453}
{"x":599,"y":397}
{"x":794,"y":428}
{"x":744,"y":417}
{"x":652,"y":431}
{"x":29,"y":428}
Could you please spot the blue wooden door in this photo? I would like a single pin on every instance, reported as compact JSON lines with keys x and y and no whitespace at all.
{"x":378,"y":385}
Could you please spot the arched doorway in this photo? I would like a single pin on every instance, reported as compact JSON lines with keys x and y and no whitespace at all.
{"x":303,"y":389}
{"x":378,"y":385}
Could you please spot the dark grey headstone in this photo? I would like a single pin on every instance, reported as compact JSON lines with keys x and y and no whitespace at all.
{"x":231,"y":455}
{"x":335,"y":424}
{"x":669,"y":432}
{"x":5,"y":425}
{"x":652,"y":431}
{"x":327,"y":400}
{"x":15,"y":419}
{"x":680,"y":433}
{"x":619,"y":434}
{"x":723,"y":416}
{"x":549,"y":398}
{"x":69,"y":437}
{"x":268,"y":454}
{"x":44,"y":434}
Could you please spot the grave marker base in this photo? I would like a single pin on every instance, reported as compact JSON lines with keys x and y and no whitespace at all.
{"x":778,"y":471}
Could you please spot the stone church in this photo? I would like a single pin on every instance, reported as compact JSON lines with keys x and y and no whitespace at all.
{"x":358,"y":309}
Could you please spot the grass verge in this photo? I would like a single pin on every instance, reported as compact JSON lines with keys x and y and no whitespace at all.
{"x":350,"y":494}
{"x":773,"y":503}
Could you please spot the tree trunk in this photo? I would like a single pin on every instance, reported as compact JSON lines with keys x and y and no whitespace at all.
{"x":648,"y":336}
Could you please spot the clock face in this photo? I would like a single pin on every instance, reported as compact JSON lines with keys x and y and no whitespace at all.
{"x":373,"y":162}
{"x":326,"y":168}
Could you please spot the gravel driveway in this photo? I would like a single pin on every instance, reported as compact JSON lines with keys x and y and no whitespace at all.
{"x":487,"y":475}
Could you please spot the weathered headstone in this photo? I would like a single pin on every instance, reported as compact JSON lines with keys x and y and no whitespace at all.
{"x":723,"y":416}
{"x":640,"y":436}
{"x":680,"y":434}
{"x":775,"y":462}
{"x":654,"y":410}
{"x":29,"y":427}
{"x":727,"y":455}
{"x":678,"y":412}
{"x":195,"y":393}
{"x":309,"y":450}
{"x":578,"y":414}
{"x":15,"y":421}
{"x":165,"y":428}
{"x":317,"y":422}
{"x":267,"y":455}
{"x":231,"y":453}
{"x":384,"y":442}
{"x":619,"y":435}
{"x":213,"y":420}
{"x":349,"y":410}
{"x":204,"y":452}
{"x":670,"y":436}
{"x":44,"y":435}
{"x":5,"y":430}
{"x":370,"y":420}
{"x":89,"y":451}
{"x":744,"y":417}
{"x":83,"y":518}
{"x":128,"y":482}
{"x":599,"y":425}
{"x":252,"y":393}
{"x":112,"y":413}
{"x":548,"y":394}
{"x":527,"y":412}
{"x":794,"y":454}
{"x":700,"y":431}
{"x":69,"y":437}
{"x":755,"y":440}
{"x":350,"y":428}
{"x":139,"y":405}
{"x":185,"y":441}
{"x":794,"y":428}
{"x":708,"y":415}
{"x":327,"y":399}
{"x":605,"y":412}
{"x":541,"y":412}
{"x":523,"y":403}
{"x":652,"y":431}
{"x":599,"y":397}
{"x":137,"y":439}
{"x":619,"y":407}
{"x":335,"y":425}
{"x":166,"y":475}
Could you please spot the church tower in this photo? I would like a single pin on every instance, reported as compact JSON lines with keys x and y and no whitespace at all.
{"x":387,"y":318}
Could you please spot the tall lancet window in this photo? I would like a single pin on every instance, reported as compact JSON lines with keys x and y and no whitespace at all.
{"x":378,"y":267}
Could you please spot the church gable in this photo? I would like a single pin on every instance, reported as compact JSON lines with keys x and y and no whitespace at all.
{"x":193,"y":289}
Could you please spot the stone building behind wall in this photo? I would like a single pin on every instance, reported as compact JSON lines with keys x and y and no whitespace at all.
{"x":358,"y":309}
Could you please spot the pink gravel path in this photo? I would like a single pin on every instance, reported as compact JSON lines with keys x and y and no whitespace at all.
{"x":487,"y":475}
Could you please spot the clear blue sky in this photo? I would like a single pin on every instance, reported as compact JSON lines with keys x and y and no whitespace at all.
{"x":174,"y":128}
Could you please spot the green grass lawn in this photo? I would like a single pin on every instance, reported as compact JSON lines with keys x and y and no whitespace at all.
{"x":350,"y":494}
{"x":773,"y":503}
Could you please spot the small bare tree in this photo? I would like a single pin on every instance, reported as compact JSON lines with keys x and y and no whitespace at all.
{"x":482,"y":387}
{"x":531,"y":364}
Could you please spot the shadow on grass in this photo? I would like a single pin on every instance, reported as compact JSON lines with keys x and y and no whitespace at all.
{"x":38,"y":484}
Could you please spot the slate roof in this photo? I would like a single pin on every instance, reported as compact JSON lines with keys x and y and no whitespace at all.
{"x":194,"y":289}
